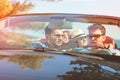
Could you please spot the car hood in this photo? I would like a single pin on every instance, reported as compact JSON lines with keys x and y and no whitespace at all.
{"x":32,"y":65}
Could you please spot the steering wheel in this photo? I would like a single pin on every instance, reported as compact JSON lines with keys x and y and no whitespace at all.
{"x":93,"y":47}
{"x":98,"y":50}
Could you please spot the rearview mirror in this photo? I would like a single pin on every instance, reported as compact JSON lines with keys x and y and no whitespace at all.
{"x":59,"y":23}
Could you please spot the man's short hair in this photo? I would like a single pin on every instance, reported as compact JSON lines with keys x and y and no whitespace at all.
{"x":97,"y":26}
{"x":48,"y":30}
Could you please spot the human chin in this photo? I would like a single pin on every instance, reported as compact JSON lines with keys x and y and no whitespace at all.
{"x":59,"y":43}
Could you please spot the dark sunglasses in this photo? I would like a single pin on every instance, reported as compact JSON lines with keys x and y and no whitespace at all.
{"x":94,"y":35}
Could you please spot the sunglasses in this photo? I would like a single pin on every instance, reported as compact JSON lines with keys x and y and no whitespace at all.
{"x":94,"y":35}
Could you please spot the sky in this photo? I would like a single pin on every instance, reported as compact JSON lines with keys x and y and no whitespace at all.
{"x":100,"y":7}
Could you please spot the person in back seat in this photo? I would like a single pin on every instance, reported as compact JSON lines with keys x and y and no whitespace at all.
{"x":79,"y":37}
{"x":66,"y":36}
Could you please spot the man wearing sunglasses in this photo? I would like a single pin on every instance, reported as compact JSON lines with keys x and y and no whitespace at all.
{"x":97,"y":37}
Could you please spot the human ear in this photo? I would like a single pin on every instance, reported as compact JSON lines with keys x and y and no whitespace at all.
{"x":47,"y":36}
{"x":104,"y":38}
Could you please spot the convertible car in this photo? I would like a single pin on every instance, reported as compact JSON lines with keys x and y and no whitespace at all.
{"x":28,"y":50}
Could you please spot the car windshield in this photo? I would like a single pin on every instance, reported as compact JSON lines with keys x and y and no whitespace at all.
{"x":29,"y":31}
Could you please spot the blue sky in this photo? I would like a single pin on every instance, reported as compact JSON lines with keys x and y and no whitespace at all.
{"x":101,"y":7}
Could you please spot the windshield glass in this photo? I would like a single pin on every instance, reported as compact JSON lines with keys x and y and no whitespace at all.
{"x":54,"y":32}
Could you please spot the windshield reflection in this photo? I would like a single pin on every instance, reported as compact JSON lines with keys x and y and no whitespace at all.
{"x":27,"y":61}
{"x":90,"y":71}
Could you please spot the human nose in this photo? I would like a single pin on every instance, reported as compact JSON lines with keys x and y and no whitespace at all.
{"x":92,"y":37}
{"x":61,"y":37}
